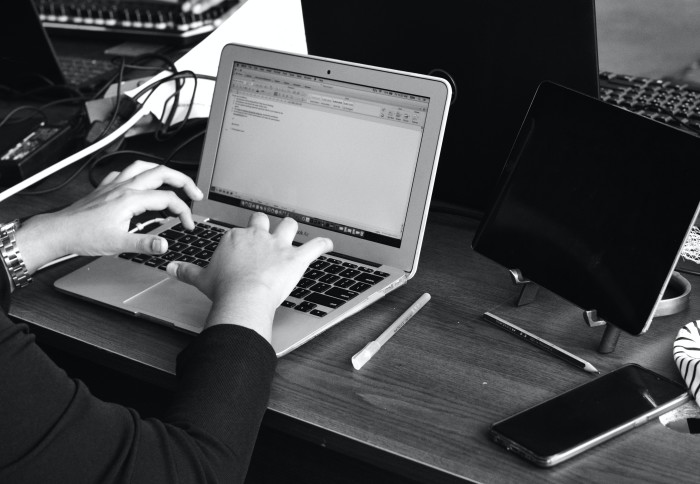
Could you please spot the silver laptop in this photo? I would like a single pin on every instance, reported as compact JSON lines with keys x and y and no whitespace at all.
{"x":347,"y":150}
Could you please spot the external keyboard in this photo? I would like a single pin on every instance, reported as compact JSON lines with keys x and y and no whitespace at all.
{"x":132,"y":19}
{"x":83,"y":72}
{"x":672,"y":103}
{"x":328,"y":283}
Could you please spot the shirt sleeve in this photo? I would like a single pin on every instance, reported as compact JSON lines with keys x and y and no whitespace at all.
{"x":53,"y":430}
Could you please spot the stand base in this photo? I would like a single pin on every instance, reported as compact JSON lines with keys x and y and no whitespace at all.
{"x":675,"y":299}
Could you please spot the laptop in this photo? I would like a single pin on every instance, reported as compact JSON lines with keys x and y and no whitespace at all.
{"x":28,"y":58}
{"x":349,"y":151}
{"x":495,"y":53}
{"x":595,"y":204}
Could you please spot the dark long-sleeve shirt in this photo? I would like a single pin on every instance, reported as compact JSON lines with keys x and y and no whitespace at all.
{"x":53,"y":430}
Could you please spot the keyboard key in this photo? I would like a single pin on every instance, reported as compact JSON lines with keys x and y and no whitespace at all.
{"x":334,"y":269}
{"x":299,"y":293}
{"x":349,"y":273}
{"x":360,"y":286}
{"x":319,"y":264}
{"x":171,"y":234}
{"x":191,"y":250}
{"x":305,"y":306}
{"x":313,"y":274}
{"x":329,"y":278}
{"x":320,"y":287}
{"x":323,"y":300}
{"x":341,"y":293}
{"x":305,"y":282}
{"x":187,"y":239}
{"x":345,"y":283}
{"x":177,"y":247}
{"x":369,"y":278}
{"x":154,"y":262}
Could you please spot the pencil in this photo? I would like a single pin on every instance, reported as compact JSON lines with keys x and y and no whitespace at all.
{"x":364,"y":355}
{"x":540,"y":343}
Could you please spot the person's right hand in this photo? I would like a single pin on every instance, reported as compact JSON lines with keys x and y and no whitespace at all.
{"x":251,"y":272}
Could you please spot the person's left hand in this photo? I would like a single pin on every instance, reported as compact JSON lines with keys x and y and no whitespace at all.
{"x":99,"y":223}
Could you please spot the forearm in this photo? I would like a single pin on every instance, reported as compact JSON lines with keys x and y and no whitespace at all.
{"x":55,"y":431}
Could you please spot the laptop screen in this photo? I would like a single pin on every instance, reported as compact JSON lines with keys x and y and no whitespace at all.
{"x":313,"y":138}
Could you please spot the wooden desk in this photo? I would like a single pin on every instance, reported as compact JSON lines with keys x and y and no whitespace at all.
{"x":422,"y":406}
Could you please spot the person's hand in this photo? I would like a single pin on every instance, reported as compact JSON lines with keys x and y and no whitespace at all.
{"x":251,"y":272}
{"x":99,"y":223}
{"x":199,"y":6}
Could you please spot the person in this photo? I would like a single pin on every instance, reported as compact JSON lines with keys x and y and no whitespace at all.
{"x":53,"y":430}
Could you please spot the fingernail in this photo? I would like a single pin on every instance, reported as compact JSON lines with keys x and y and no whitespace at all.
{"x":171,"y":269}
{"x":159,"y":246}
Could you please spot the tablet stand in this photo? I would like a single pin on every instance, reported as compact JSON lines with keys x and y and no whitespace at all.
{"x":675,"y":299}
{"x":529,"y":289}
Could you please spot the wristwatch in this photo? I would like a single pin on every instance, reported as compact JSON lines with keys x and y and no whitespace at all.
{"x":11,"y":256}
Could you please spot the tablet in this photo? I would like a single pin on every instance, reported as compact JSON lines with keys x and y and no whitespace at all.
{"x":594,"y":204}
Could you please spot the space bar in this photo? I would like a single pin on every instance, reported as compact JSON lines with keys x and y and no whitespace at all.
{"x":323,"y":300}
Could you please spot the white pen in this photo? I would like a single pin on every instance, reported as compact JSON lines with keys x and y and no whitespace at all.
{"x":364,"y":355}
{"x":540,"y":343}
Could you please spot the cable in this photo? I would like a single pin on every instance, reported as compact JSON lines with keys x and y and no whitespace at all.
{"x":9,"y":115}
{"x":111,"y":137}
{"x":94,"y":182}
{"x":120,"y":131}
{"x":168,"y":159}
{"x":65,"y":182}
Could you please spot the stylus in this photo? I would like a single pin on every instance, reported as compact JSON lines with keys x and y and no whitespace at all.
{"x":540,"y":343}
{"x":372,"y":347}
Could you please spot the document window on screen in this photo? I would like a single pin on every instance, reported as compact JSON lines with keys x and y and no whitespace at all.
{"x":312,"y":138}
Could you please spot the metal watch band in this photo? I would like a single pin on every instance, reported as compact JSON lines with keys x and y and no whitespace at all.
{"x":11,"y":256}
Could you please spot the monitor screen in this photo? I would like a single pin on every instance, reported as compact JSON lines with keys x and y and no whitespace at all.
{"x":495,"y":53}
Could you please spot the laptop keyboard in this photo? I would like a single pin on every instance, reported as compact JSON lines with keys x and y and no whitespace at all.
{"x":82,"y":72}
{"x":155,"y":20}
{"x":327,"y":284}
{"x":669,"y":102}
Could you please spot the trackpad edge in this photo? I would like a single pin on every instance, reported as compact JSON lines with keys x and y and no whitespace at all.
{"x":173,"y":302}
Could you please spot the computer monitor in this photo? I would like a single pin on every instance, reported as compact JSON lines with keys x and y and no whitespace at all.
{"x":496,"y":52}
{"x":27,"y":58}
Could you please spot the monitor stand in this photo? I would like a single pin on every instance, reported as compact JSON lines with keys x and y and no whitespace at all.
{"x":675,"y":299}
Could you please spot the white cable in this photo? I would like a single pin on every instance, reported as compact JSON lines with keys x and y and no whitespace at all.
{"x":137,"y":228}
{"x":98,"y":145}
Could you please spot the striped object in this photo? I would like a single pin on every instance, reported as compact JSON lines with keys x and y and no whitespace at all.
{"x":686,"y":353}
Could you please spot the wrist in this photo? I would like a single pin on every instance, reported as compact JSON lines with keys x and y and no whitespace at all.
{"x":39,"y":242}
{"x":11,"y":256}
{"x":243,"y":311}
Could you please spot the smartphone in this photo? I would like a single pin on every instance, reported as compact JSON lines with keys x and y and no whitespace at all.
{"x":560,"y":428}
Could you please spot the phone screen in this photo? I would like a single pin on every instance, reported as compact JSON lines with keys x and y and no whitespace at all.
{"x":565,"y":425}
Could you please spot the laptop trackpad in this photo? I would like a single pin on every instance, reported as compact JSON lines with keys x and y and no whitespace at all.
{"x":173,"y":302}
